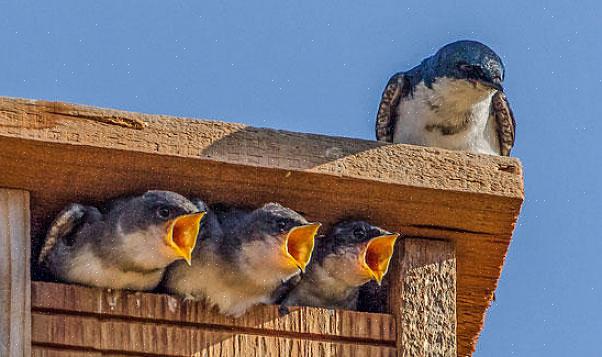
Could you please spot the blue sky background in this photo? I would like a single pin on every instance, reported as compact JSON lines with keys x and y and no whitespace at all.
{"x":318,"y":66}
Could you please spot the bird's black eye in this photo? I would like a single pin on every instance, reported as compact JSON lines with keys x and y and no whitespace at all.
{"x":163,"y":212}
{"x":464,"y":67}
{"x":282,"y":225}
{"x":471,"y":71}
{"x":359,"y":233}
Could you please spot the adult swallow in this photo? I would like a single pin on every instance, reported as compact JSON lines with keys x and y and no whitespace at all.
{"x":453,"y":100}
{"x":128,"y":245}
{"x":245,"y":257}
{"x":351,"y":255}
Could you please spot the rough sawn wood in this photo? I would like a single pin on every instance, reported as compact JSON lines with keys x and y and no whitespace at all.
{"x":423,"y":300}
{"x":67,"y":317}
{"x":15,"y":311}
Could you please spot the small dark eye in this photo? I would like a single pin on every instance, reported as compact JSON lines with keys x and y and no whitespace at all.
{"x":471,"y":71}
{"x":465,"y":67}
{"x":282,"y":225}
{"x":163,"y":212}
{"x":359,"y":233}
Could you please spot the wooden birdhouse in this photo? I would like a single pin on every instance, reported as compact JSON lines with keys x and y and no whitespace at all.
{"x":456,"y":211}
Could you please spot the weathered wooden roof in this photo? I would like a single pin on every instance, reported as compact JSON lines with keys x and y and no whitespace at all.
{"x":61,"y":152}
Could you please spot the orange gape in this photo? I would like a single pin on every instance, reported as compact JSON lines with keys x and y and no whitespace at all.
{"x":378,"y":255}
{"x":299,"y":243}
{"x":182,"y":234}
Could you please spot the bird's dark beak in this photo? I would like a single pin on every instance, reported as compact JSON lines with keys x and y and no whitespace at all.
{"x":299,"y":244}
{"x":182,"y":234}
{"x":377,"y":255}
{"x":495,"y":83}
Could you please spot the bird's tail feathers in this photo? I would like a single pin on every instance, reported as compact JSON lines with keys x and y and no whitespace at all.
{"x":61,"y":227}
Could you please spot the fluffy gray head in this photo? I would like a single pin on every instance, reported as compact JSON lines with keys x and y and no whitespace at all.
{"x":151,"y":209}
{"x":272,"y":219}
{"x":347,"y":234}
{"x":469,"y":60}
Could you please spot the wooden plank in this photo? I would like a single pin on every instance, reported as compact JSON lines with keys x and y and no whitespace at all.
{"x":69,"y":299}
{"x":46,"y":351}
{"x":15,"y":315}
{"x":472,"y":200}
{"x":423,"y":299}
{"x":239,"y":144}
{"x":159,"y":339}
{"x":65,"y":297}
{"x":79,"y":331}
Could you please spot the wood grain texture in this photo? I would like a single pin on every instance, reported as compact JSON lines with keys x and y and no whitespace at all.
{"x":63,"y":152}
{"x":138,"y":306}
{"x":47,"y":351}
{"x":239,"y":144}
{"x":423,"y":299}
{"x":15,"y":314}
{"x":114,"y":336}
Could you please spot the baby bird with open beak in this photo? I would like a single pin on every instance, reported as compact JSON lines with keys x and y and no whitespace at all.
{"x":128,"y":245}
{"x":244,"y":257}
{"x":351,"y":255}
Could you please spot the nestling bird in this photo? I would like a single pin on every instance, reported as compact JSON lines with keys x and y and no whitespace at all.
{"x":126,"y":246}
{"x":453,"y":100}
{"x":245,"y":257}
{"x":351,"y":255}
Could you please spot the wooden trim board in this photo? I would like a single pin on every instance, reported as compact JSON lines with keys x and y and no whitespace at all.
{"x":15,"y":311}
{"x":423,"y":299}
{"x":72,"y":317}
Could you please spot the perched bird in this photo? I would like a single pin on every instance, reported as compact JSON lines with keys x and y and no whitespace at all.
{"x":453,"y":100}
{"x":245,"y":257}
{"x":351,"y":255}
{"x":126,"y":246}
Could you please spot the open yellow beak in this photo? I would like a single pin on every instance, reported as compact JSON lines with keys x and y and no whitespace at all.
{"x":299,"y":243}
{"x":378,"y":255}
{"x":182,"y":233}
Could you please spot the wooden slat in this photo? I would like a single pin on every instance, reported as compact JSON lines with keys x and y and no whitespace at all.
{"x":157,"y":339}
{"x":239,"y":144}
{"x":63,"y":152}
{"x":423,"y":299}
{"x":70,"y":299}
{"x":79,"y":331}
{"x":46,"y":351}
{"x":15,"y":315}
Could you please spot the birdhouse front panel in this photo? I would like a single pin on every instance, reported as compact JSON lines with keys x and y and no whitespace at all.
{"x":455,"y":211}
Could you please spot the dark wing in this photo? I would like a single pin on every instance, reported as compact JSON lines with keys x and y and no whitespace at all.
{"x":504,"y":120}
{"x":281,"y":293}
{"x":399,"y":86}
{"x":373,"y":298}
{"x":285,"y":288}
{"x":65,"y":226}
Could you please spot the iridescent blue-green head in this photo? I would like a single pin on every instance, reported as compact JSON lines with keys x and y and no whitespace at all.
{"x":466,"y":60}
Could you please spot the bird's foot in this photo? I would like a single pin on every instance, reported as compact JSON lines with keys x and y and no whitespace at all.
{"x":188,"y":297}
{"x":283,"y":310}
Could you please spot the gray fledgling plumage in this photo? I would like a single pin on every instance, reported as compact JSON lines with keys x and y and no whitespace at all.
{"x":335,"y":275}
{"x":453,"y":100}
{"x":240,"y":260}
{"x":120,"y":247}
